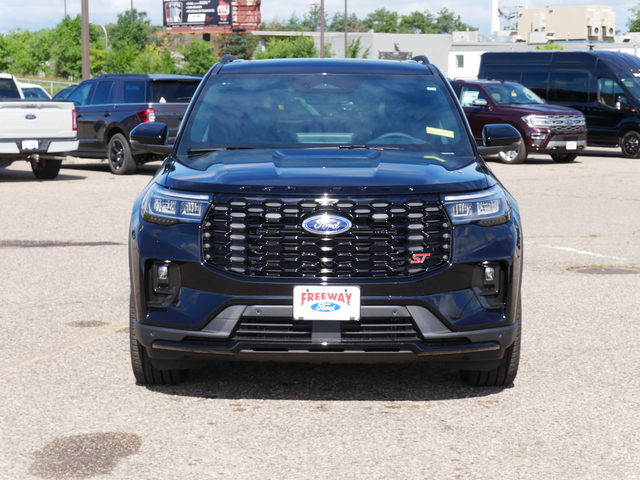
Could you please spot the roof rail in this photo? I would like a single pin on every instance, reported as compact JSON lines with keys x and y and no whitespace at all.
{"x":421,"y":59}
{"x":224,"y":60}
{"x":228,"y":58}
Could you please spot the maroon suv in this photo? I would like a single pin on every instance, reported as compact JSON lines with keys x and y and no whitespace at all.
{"x":553,"y":129}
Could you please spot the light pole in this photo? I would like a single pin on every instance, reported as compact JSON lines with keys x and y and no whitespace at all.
{"x":106,"y":37}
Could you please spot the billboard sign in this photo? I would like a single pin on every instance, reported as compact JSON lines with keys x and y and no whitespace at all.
{"x":197,"y":13}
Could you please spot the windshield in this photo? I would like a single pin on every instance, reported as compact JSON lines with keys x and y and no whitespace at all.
{"x":34,"y":92}
{"x":399,"y":112}
{"x":512,"y":94}
{"x":632,"y":82}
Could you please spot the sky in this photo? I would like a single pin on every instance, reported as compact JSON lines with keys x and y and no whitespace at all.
{"x":38,"y":14}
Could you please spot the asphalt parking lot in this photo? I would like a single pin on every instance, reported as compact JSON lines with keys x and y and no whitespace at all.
{"x":70,"y":408}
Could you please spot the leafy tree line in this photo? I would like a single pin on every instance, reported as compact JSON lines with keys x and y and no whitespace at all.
{"x":133,"y":45}
{"x":380,"y":21}
{"x":128,"y":47}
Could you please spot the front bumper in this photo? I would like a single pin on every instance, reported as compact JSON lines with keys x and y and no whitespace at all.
{"x":550,"y":142}
{"x":391,"y":333}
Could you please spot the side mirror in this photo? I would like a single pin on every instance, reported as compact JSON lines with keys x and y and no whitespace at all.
{"x":480,"y":102}
{"x":497,"y":136}
{"x":151,"y":137}
{"x":622,"y":103}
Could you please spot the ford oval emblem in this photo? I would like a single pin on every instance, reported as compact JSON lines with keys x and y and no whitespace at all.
{"x":326,"y":224}
{"x":325,"y":307}
{"x":31,"y":116}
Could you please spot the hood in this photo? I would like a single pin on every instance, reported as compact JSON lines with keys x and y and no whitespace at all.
{"x":318,"y":170}
{"x":536,"y":109}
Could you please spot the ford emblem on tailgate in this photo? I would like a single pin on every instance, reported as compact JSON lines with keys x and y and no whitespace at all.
{"x":31,"y":116}
{"x":326,"y":224}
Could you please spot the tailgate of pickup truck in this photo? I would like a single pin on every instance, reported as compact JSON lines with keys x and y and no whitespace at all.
{"x":23,"y":119}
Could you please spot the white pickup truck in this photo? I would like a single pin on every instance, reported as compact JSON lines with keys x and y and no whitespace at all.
{"x":38,"y":131}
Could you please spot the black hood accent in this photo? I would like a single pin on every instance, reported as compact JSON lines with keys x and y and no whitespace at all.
{"x":326,"y":170}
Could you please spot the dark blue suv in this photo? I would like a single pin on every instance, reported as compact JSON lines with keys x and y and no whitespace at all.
{"x":325,"y":211}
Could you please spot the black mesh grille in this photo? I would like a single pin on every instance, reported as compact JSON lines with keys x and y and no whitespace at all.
{"x":367,"y":330}
{"x":272,"y":329}
{"x":263,"y":236}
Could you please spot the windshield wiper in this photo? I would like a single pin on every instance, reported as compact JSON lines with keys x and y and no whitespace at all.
{"x":366,"y":147}
{"x":347,"y":147}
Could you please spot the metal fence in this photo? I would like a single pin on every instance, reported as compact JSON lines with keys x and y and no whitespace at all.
{"x":51,"y":86}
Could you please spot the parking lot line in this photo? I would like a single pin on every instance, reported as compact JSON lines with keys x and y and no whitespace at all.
{"x":103,"y":333}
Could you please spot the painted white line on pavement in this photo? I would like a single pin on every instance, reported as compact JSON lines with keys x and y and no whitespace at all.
{"x":579,"y":252}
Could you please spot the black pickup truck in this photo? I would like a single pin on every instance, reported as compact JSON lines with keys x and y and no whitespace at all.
{"x":110,"y":106}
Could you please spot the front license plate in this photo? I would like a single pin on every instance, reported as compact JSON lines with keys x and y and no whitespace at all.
{"x":30,"y":144}
{"x":572,"y":145}
{"x":326,"y":303}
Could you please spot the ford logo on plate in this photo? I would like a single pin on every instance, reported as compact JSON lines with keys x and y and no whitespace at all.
{"x":326,"y":224}
{"x":31,"y":116}
{"x":325,"y":307}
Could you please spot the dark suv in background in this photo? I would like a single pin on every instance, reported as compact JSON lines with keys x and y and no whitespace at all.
{"x":325,"y":211}
{"x":110,"y":106}
{"x":554,"y":129}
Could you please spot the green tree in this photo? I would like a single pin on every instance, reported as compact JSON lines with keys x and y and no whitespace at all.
{"x":633,"y":23}
{"x":148,"y":60}
{"x":240,"y":46}
{"x":121,"y":60}
{"x":97,"y":58}
{"x":447,"y":22}
{"x":550,"y":46}
{"x":295,"y":47}
{"x":66,"y":47}
{"x":311,"y":20}
{"x":19,"y":46}
{"x":381,"y":21}
{"x":4,"y":53}
{"x":293,"y":24}
{"x":273,"y":26}
{"x":125,"y":32}
{"x":168,"y":62}
{"x":418,"y":22}
{"x":354,"y":24}
{"x":198,"y":56}
{"x":354,"y":48}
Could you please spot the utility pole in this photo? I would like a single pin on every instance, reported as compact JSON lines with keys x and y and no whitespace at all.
{"x":345,"y":28}
{"x":86,"y":70}
{"x":321,"y":28}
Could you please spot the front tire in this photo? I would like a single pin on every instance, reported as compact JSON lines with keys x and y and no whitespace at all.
{"x":505,"y":374}
{"x":564,"y":157}
{"x":46,"y":169}
{"x":121,"y":161}
{"x":143,"y":370}
{"x":514,"y":157}
{"x":630,"y":144}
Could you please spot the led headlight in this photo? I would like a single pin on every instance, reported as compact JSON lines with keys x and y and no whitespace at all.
{"x":167,"y":207}
{"x":484,"y":208}
{"x":538,"y":121}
